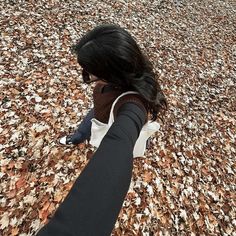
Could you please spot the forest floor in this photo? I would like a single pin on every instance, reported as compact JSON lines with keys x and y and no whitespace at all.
{"x":185,"y":184}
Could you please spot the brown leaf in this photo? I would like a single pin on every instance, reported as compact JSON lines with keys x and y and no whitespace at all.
{"x":12,"y":193}
{"x":58,"y":197}
{"x":89,"y":154}
{"x":32,"y":119}
{"x":21,"y":182}
{"x":147,"y":176}
{"x":14,"y":231}
{"x":213,"y":219}
{"x":43,"y":213}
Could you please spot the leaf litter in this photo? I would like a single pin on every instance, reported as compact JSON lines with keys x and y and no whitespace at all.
{"x":186,"y":183}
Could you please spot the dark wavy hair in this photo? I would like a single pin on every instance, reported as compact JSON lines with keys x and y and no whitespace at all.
{"x":110,"y":53}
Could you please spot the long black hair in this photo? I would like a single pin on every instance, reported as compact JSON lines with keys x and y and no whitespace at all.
{"x":110,"y":53}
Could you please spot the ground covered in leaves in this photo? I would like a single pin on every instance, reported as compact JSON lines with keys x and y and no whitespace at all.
{"x":186,"y":183}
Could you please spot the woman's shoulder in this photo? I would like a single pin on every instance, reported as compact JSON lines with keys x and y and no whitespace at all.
{"x":137,"y":99}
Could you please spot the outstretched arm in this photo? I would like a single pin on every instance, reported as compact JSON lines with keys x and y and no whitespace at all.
{"x":94,"y":202}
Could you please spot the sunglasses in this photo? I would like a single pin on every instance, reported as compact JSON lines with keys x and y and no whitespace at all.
{"x":86,"y":77}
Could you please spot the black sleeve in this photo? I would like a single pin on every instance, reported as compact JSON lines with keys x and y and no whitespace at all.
{"x":94,"y":202}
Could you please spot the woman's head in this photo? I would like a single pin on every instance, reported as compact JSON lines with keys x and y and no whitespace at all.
{"x":111,"y":54}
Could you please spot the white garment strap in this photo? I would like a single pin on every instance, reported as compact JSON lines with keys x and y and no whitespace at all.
{"x":111,"y":117}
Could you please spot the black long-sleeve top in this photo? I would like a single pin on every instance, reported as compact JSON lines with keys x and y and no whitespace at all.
{"x":94,"y":202}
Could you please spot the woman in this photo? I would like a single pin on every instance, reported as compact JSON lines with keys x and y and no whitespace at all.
{"x":110,"y":55}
